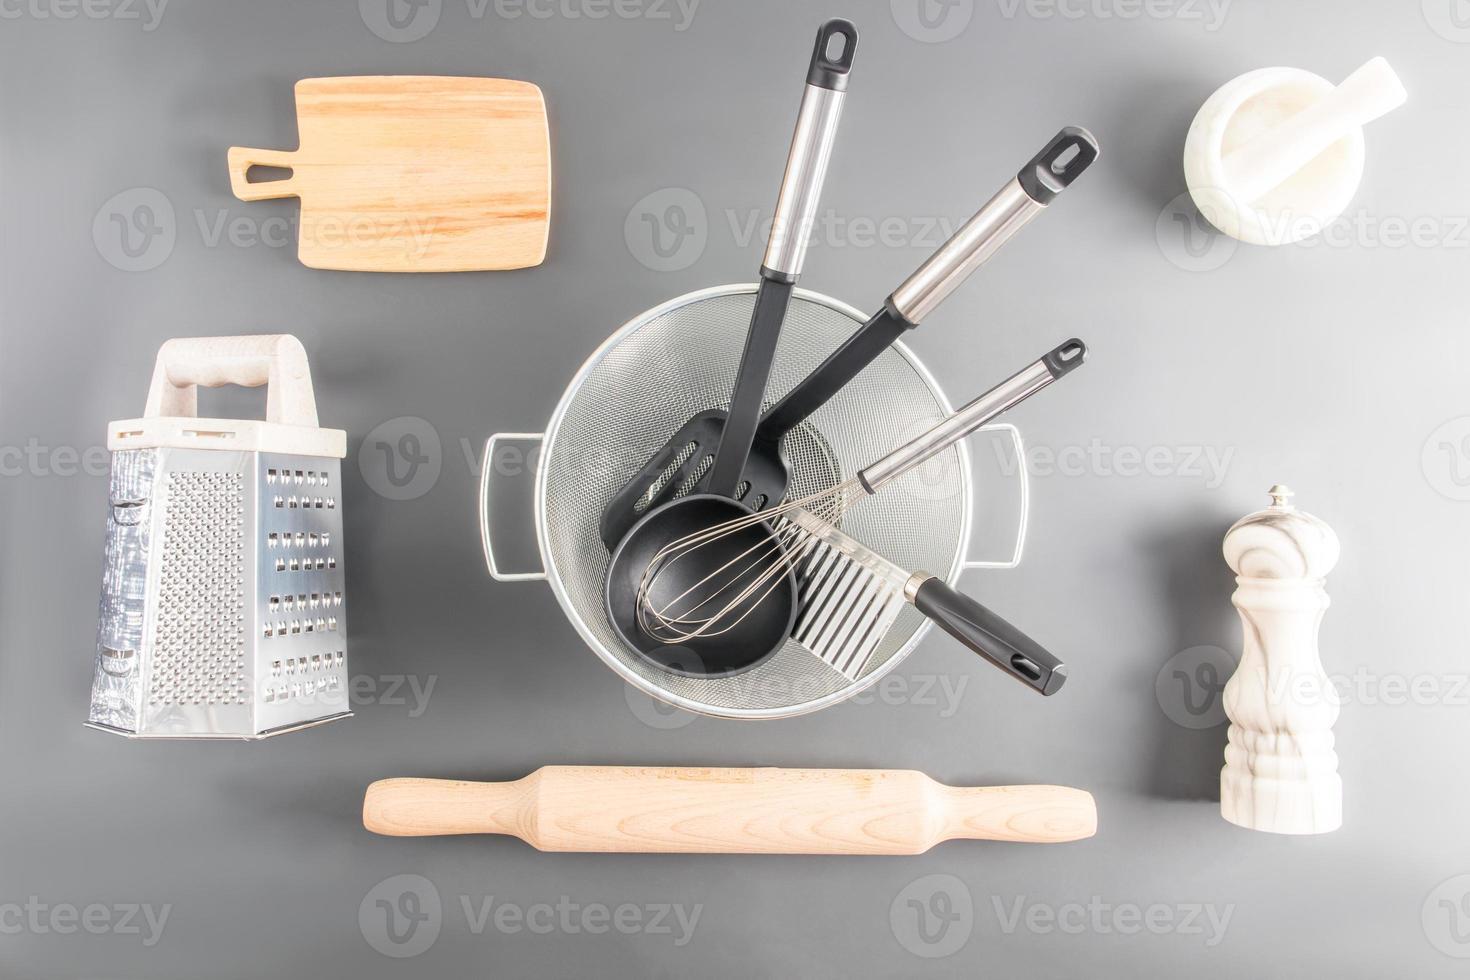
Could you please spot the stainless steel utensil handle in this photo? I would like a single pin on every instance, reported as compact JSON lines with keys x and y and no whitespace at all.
{"x":811,"y":149}
{"x":1001,"y":217}
{"x":1037,"y":184}
{"x":1004,"y":396}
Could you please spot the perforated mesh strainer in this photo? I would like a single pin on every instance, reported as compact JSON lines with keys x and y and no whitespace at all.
{"x":679,"y":359}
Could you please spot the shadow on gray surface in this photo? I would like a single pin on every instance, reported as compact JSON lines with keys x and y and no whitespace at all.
{"x":1197,"y":585}
{"x":1154,"y":141}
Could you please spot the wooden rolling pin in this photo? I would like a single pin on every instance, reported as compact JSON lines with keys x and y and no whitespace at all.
{"x":729,"y":811}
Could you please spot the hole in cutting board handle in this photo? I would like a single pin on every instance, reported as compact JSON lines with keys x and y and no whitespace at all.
{"x":259,"y":173}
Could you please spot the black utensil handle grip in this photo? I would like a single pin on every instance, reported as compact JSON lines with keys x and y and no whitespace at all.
{"x":829,"y":377}
{"x":990,"y":636}
{"x":828,"y":70}
{"x":771,"y":300}
{"x":1059,"y":163}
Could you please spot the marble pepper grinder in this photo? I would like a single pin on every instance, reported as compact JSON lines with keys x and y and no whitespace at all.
{"x":1280,"y":770}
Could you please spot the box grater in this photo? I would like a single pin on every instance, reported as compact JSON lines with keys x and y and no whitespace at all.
{"x":222,"y":612}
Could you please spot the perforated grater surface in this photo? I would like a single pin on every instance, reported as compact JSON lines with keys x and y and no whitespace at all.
{"x":222,"y":612}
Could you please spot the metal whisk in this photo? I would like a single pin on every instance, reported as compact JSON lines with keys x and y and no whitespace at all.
{"x":715,"y":592}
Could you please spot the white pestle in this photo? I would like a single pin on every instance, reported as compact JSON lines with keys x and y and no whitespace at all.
{"x":1270,"y":158}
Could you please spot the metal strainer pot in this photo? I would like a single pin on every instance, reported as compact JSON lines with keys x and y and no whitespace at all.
{"x":679,"y":359}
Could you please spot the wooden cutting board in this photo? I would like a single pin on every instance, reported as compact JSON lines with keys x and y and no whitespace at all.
{"x":413,"y":173}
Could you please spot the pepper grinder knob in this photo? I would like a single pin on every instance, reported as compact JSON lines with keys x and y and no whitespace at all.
{"x":1280,"y":772}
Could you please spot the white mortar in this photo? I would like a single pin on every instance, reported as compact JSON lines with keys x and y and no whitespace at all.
{"x":1303,"y":204}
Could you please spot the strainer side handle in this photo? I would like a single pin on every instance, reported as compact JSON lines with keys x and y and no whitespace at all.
{"x":487,"y":478}
{"x":1023,"y":484}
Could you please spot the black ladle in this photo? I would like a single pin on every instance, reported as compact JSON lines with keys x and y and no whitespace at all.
{"x":754,"y":631}
{"x":732,"y":650}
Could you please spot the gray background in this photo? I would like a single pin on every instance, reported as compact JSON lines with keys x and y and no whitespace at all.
{"x":1338,"y":368}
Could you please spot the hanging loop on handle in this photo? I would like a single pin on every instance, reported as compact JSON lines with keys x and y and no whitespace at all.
{"x":1059,"y":163}
{"x":277,"y":361}
{"x":487,"y":477}
{"x":829,"y":70}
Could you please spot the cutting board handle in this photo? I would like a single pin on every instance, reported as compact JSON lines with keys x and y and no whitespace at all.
{"x":277,"y":361}
{"x":242,"y":158}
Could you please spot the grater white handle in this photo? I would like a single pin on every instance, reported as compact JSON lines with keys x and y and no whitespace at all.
{"x":277,"y":361}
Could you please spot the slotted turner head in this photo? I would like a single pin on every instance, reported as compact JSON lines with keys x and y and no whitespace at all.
{"x":681,"y":465}
{"x":671,"y":472}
